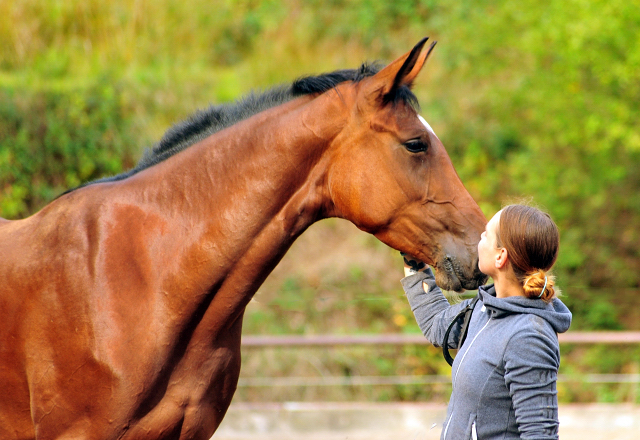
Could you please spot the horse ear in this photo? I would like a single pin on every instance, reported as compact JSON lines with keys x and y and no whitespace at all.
{"x":420,"y":59}
{"x":401,"y":72}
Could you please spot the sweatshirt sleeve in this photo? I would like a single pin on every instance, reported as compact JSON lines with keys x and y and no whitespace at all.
{"x":532,"y":359}
{"x":431,"y":309}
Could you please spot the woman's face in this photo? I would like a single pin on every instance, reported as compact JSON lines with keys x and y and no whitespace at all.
{"x":488,"y":250}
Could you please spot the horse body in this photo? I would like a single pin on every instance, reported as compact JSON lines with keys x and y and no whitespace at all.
{"x":122,"y":301}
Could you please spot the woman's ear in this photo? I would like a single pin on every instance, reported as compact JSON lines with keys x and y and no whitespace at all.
{"x":502,"y":258}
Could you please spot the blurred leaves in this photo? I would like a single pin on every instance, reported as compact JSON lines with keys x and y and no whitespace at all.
{"x":50,"y":142}
{"x":552,"y":96}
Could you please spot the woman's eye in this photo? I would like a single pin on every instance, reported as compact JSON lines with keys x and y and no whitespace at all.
{"x":415,"y":146}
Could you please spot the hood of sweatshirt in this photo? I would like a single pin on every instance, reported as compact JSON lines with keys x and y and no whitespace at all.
{"x":554,"y":312}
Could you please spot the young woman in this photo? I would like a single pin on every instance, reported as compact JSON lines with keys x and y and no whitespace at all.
{"x":504,"y":375}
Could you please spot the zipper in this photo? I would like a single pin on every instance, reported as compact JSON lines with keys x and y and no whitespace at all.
{"x":453,"y":383}
{"x":446,"y":428}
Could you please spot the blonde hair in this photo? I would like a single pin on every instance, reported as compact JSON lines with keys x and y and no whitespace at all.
{"x":532,"y":240}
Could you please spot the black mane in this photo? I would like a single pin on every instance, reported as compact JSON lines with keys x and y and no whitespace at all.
{"x":204,"y":123}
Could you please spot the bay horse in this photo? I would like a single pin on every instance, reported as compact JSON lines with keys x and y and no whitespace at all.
{"x":122,"y":300}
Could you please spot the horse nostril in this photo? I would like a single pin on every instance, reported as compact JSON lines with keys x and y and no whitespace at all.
{"x":448,"y":265}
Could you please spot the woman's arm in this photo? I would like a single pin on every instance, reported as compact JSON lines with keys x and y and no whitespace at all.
{"x":431,"y":309}
{"x":532,"y":359}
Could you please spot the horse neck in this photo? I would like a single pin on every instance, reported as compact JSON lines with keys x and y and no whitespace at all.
{"x":246,"y":193}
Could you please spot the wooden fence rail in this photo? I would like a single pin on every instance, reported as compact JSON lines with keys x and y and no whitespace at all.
{"x":297,"y":341}
{"x":629,"y":337}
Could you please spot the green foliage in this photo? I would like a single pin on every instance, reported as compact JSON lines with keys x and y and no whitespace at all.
{"x":559,"y":107}
{"x":53,"y":141}
{"x":371,"y":22}
{"x":329,"y":307}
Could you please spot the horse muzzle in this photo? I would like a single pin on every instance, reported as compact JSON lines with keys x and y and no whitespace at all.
{"x":451,"y":275}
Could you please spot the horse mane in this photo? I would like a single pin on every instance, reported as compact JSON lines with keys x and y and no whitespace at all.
{"x":204,"y":123}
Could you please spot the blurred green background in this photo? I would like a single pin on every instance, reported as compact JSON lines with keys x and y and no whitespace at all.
{"x":534,"y":100}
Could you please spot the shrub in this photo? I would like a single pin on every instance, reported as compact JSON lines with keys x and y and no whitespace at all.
{"x":51,"y":141}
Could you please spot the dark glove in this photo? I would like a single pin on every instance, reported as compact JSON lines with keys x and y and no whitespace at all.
{"x":414,"y":264}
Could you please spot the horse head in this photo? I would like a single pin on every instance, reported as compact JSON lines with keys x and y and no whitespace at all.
{"x":392,"y":177}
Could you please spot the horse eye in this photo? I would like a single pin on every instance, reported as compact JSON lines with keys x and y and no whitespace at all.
{"x":415,"y":146}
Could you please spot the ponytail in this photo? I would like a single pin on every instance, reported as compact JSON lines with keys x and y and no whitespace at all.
{"x":540,"y":284}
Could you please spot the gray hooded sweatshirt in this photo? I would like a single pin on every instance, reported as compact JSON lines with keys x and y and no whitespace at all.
{"x":504,"y":375}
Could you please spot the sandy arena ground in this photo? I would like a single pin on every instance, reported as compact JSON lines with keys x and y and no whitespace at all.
{"x":399,"y":421}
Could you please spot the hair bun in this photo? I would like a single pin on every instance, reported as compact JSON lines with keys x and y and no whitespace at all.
{"x":539,"y":285}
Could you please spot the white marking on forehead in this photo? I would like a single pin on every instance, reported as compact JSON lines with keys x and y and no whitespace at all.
{"x":426,"y":124}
